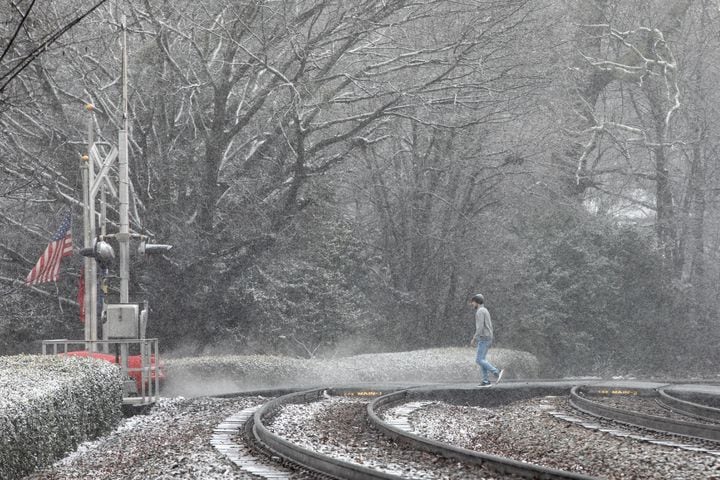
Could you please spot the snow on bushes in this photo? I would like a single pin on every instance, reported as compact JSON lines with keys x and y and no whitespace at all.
{"x":221,"y":374}
{"x":49,"y":405}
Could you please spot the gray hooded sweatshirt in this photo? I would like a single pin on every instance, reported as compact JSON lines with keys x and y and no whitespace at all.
{"x":483,"y":324}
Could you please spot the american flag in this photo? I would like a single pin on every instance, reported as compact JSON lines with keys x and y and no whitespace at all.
{"x":47,"y":268}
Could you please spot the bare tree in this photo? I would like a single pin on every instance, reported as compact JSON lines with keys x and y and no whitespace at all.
{"x":627,"y":94}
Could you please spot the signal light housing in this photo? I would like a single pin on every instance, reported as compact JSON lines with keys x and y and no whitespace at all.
{"x":153,"y":248}
{"x":101,"y":251}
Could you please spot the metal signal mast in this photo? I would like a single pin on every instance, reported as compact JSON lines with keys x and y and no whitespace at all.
{"x":124,"y":324}
{"x":96,"y":250}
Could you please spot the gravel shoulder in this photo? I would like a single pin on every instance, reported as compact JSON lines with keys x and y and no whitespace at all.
{"x":172,"y":441}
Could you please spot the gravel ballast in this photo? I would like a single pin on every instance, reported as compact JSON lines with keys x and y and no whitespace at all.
{"x":337,"y":427}
{"x":526,"y":431}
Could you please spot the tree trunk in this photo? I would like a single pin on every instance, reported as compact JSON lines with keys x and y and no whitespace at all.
{"x":592,"y":83}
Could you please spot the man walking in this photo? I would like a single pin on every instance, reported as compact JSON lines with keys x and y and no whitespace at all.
{"x":483,"y":338}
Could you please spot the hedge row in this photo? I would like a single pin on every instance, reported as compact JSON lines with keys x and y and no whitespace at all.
{"x":222,"y":374}
{"x":49,"y":405}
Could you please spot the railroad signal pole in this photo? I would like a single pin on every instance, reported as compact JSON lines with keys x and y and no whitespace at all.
{"x":125,"y":323}
{"x":92,"y":183}
{"x":124,"y":235}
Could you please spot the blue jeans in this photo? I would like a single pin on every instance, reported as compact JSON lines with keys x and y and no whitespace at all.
{"x":483,"y":345}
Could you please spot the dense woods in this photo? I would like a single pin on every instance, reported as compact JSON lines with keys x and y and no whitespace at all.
{"x":339,"y":176}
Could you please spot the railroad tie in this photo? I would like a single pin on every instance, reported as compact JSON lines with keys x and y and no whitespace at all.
{"x":222,"y":440}
{"x":401,"y":418}
{"x":620,"y":433}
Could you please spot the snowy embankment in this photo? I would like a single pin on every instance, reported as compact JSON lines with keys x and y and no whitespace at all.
{"x":212,"y":375}
{"x":49,"y":405}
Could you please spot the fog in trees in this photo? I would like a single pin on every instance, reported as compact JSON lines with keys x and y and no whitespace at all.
{"x":340,"y":177}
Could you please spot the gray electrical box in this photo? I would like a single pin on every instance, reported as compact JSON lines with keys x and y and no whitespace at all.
{"x":123,"y":321}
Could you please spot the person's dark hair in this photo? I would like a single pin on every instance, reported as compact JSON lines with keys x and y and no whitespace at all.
{"x":478,"y":298}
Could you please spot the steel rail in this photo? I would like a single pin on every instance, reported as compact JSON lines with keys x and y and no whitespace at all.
{"x":501,"y":465}
{"x":687,"y":407}
{"x":637,"y":419}
{"x":306,"y":459}
{"x":324,"y":466}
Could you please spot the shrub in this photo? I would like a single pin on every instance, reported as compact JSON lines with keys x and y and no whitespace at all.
{"x":49,"y":405}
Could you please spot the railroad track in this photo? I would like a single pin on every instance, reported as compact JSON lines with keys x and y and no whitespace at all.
{"x":589,"y":400}
{"x":501,"y":465}
{"x":316,"y":464}
{"x":695,"y":405}
{"x":319,"y":465}
{"x":299,"y":461}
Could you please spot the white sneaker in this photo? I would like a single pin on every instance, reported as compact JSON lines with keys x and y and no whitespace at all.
{"x":499,"y":375}
{"x":485,"y":385}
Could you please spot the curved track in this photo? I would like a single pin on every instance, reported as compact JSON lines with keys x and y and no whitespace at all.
{"x":580,"y":399}
{"x":692,"y":405}
{"x":501,"y":465}
{"x":322,"y":465}
{"x":297,"y":458}
{"x":327,"y":466}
